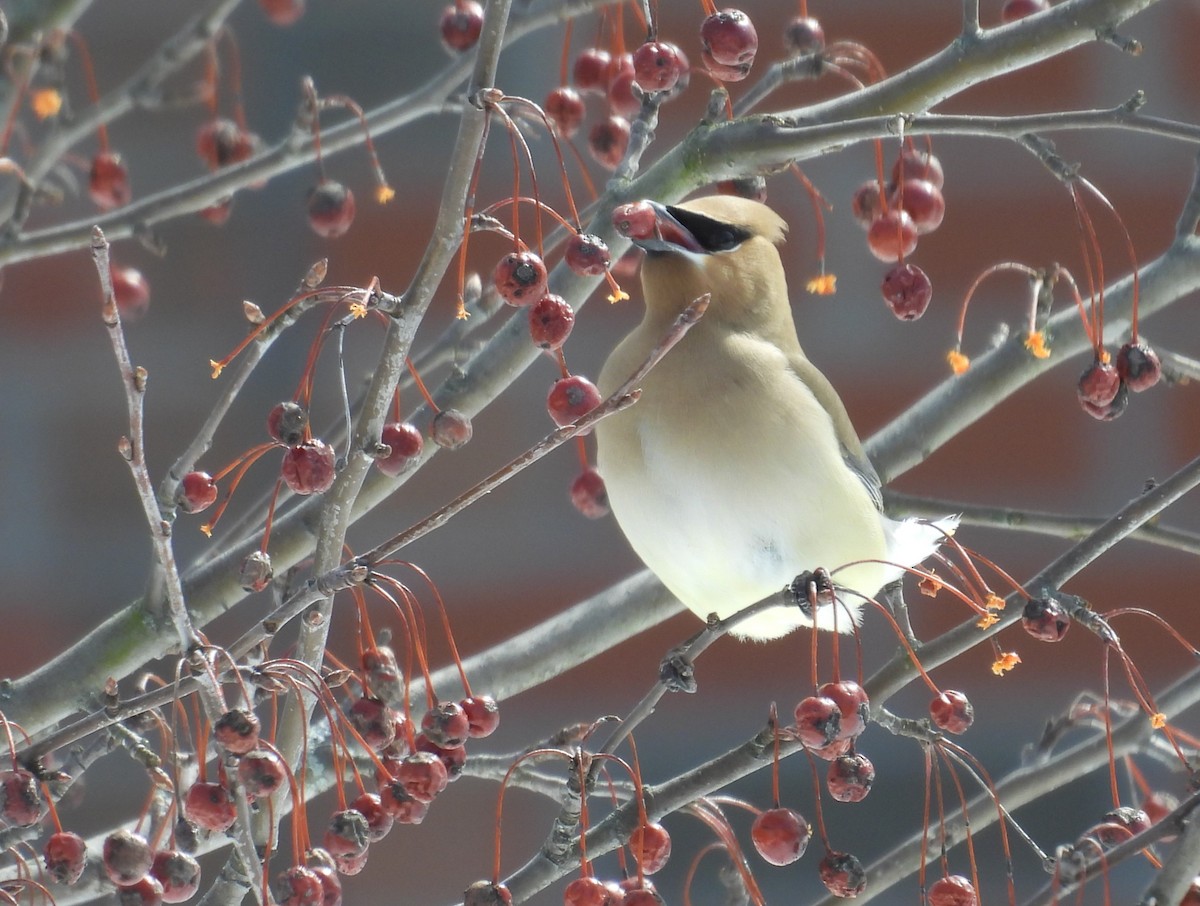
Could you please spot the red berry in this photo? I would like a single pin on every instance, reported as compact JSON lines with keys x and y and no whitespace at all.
{"x":954,"y":890}
{"x":621,"y":97}
{"x":446,"y":724}
{"x":565,"y":110}
{"x":127,"y":857}
{"x":256,"y":572}
{"x":331,"y":209}
{"x":146,"y":891}
{"x":728,"y":38}
{"x":642,"y":896}
{"x":1046,"y":619}
{"x":352,"y":865}
{"x":1138,"y":366}
{"x":752,"y":187}
{"x":853,"y":705}
{"x":221,"y":142}
{"x":951,"y":712}
{"x":836,"y":749}
{"x":286,"y":423}
{"x":450,"y":429}
{"x":1108,"y":834}
{"x":131,"y":291}
{"x":65,"y":854}
{"x":842,"y":874}
{"x":651,"y":846}
{"x":308,"y":467}
{"x":487,"y":893}
{"x":321,"y":864}
{"x":866,"y":204}
{"x":379,"y":822}
{"x":108,"y":181}
{"x":587,"y":891}
{"x":520,"y":278}
{"x":608,"y":141}
{"x":402,"y":805}
{"x":237,"y":731}
{"x":375,"y":722}
{"x":461,"y":24}
{"x":282,"y":12}
{"x":803,"y":35}
{"x":20,"y":799}
{"x":209,"y":805}
{"x":261,"y":773}
{"x":923,"y":201}
{"x":551,"y":320}
{"x":406,"y":442}
{"x":657,"y":66}
{"x":914,"y":164}
{"x":637,"y":220}
{"x":850,"y":777}
{"x":483,"y":715}
{"x":892,"y":235}
{"x":571,"y":398}
{"x":383,"y":672}
{"x":818,"y":721}
{"x":1112,"y":409}
{"x":178,"y":873}
{"x":780,"y":835}
{"x":197,"y":492}
{"x":453,"y":758}
{"x":1099,"y":383}
{"x":907,"y":290}
{"x":591,"y":70}
{"x":724,"y":73}
{"x":1135,"y":820}
{"x":589,"y":495}
{"x":1019,"y":9}
{"x":422,"y":775}
{"x":346,"y":834}
{"x":299,"y":886}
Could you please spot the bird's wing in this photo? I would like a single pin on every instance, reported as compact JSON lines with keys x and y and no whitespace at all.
{"x":852,"y":448}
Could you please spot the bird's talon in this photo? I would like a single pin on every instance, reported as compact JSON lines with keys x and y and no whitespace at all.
{"x":677,"y":673}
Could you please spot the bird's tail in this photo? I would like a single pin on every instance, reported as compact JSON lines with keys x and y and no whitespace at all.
{"x":910,"y":541}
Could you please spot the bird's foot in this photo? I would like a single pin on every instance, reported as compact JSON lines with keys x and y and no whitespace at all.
{"x":810,"y":590}
{"x":676,"y":672}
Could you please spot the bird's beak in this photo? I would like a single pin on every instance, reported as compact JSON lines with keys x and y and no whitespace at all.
{"x":654,"y":227}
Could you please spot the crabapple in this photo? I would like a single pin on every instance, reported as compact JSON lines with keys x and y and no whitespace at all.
{"x":460,"y":25}
{"x":842,"y":874}
{"x":178,"y":873}
{"x":953,"y":890}
{"x":608,"y":141}
{"x":520,"y":277}
{"x":331,"y":208}
{"x":406,"y":442}
{"x":907,"y":290}
{"x":65,"y":855}
{"x":780,"y":835}
{"x":450,"y":429}
{"x":571,"y":398}
{"x":589,"y":495}
{"x":1045,"y":619}
{"x":308,"y":468}
{"x":108,"y":181}
{"x":483,"y":715}
{"x":850,"y":777}
{"x":287,"y":422}
{"x":950,"y":711}
{"x":892,"y":235}
{"x":551,"y":320}
{"x":197,"y":492}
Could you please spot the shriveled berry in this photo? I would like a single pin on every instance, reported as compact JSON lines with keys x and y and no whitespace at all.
{"x":1019,"y":9}
{"x":587,"y":255}
{"x":447,"y":724}
{"x":487,"y":893}
{"x":589,"y":494}
{"x":197,"y":492}
{"x":209,"y":805}
{"x":853,"y":705}
{"x":331,"y":209}
{"x":287,"y":422}
{"x":108,"y":181}
{"x":1135,"y":820}
{"x":520,"y":277}
{"x":127,"y":857}
{"x":221,"y":142}
{"x":346,"y":834}
{"x":656,"y":66}
{"x":923,"y":201}
{"x":261,"y":773}
{"x":256,"y":571}
{"x":282,"y":12}
{"x":950,"y":711}
{"x":571,"y":398}
{"x":407,"y":443}
{"x":461,"y":24}
{"x":954,"y":890}
{"x":146,"y":891}
{"x":850,"y":777}
{"x":422,"y":775}
{"x":803,"y":35}
{"x":729,"y":38}
{"x":178,"y":873}
{"x":591,"y":70}
{"x":1099,"y":383}
{"x":131,"y":292}
{"x":608,"y":141}
{"x":383,"y":673}
{"x":565,"y":110}
{"x":818,"y":721}
{"x":1138,"y":366}
{"x":651,"y":846}
{"x":780,"y":835}
{"x":374,"y":720}
{"x":892,"y":235}
{"x":842,"y":874}
{"x":402,"y":805}
{"x":914,"y":164}
{"x":450,"y":429}
{"x":298,"y":886}
{"x":907,"y":290}
{"x":551,"y":321}
{"x":379,"y":822}
{"x":1046,"y":619}
{"x":483,"y":715}
{"x":1112,"y":409}
{"x":308,"y":467}
{"x":237,"y":730}
{"x":20,"y":799}
{"x":65,"y":855}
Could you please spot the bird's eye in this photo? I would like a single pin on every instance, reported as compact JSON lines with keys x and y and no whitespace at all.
{"x":712,"y":235}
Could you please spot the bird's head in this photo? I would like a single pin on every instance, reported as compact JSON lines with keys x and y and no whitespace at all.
{"x":719,"y":244}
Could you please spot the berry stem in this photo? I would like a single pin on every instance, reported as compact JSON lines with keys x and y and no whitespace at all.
{"x":93,"y":90}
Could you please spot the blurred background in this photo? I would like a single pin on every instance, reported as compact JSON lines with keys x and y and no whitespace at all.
{"x":74,"y":547}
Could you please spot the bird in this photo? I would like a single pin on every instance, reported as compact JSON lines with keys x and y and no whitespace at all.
{"x":738,"y":468}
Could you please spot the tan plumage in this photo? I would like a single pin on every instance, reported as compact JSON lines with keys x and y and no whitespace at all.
{"x":739,"y":467}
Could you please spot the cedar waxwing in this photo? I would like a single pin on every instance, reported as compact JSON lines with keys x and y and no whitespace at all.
{"x":738,"y":468}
